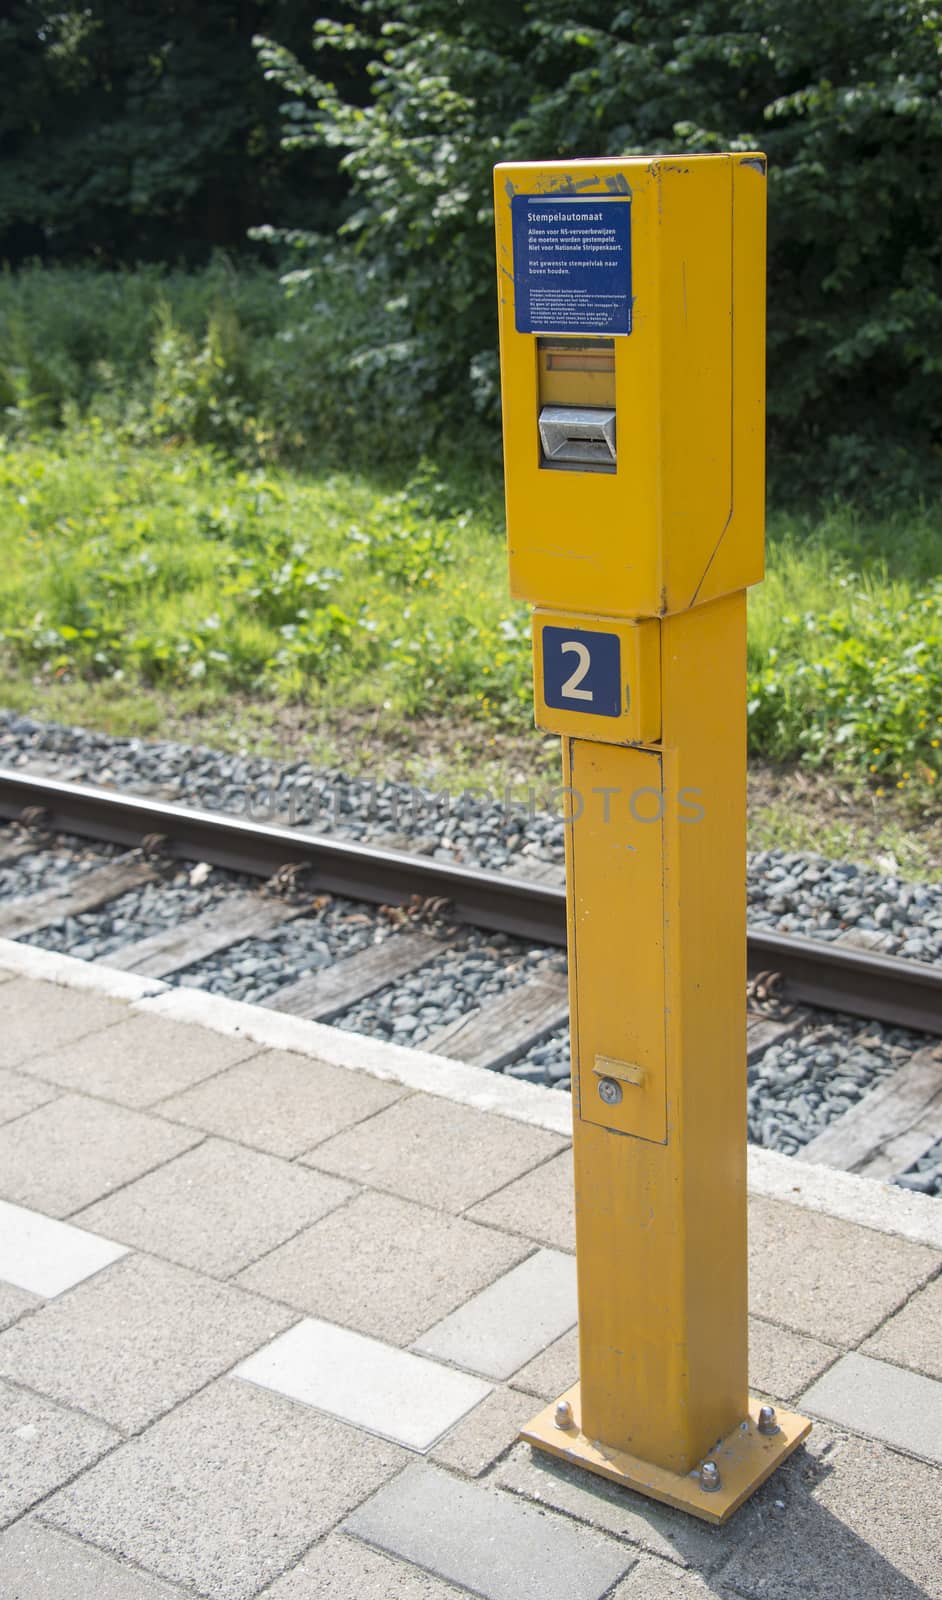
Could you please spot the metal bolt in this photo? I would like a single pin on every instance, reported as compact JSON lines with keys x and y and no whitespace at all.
{"x":767,"y":1423}
{"x":609,"y":1091}
{"x":563,"y":1417}
{"x":710,"y":1477}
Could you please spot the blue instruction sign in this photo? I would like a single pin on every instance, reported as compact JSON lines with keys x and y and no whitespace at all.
{"x":572,"y":264}
{"x":582,"y":671}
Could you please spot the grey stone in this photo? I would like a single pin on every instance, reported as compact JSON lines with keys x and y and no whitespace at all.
{"x":475,"y":1443}
{"x":553,"y":1371}
{"x":832,"y":1279}
{"x":37,"y":1563}
{"x":14,"y":1302}
{"x":913,"y":1338}
{"x":412,"y":1266}
{"x":140,"y":1059}
{"x":547,"y":1481}
{"x":281,"y":1102}
{"x":38,"y":1017}
{"x":135,"y":1340}
{"x":494,"y":1545}
{"x":900,"y":1407}
{"x":843,"y":1519}
{"x":538,"y":1205}
{"x":216,"y":1208}
{"x":431,"y":1150}
{"x":19,"y":1093}
{"x":227,"y":1491}
{"x":510,"y":1321}
{"x":344,"y":1569}
{"x":71,"y":1151}
{"x":782,"y":1363}
{"x":41,"y":1445}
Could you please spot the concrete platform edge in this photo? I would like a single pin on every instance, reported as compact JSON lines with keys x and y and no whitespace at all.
{"x":48,"y":966}
{"x":868,"y":1202}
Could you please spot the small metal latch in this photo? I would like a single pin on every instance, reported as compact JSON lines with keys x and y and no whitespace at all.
{"x":578,"y":435}
{"x":624,"y":1071}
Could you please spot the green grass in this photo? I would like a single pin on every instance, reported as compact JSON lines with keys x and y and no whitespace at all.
{"x":845,"y":648}
{"x":173,"y":568}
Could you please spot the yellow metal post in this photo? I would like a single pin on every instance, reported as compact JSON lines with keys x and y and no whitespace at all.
{"x":632,"y":322}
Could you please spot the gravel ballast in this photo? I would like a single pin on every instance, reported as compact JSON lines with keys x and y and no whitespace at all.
{"x":799,"y":893}
{"x":798,"y":1086}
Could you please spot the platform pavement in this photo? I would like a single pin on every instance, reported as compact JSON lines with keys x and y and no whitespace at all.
{"x":276,"y":1299}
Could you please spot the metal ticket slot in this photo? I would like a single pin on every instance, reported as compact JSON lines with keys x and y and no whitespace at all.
{"x":632,"y":320}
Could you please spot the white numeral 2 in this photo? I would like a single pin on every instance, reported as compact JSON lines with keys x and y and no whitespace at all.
{"x":569,"y":691}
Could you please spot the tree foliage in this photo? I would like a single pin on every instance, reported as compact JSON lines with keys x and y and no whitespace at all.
{"x":844,"y":98}
{"x":142,"y":129}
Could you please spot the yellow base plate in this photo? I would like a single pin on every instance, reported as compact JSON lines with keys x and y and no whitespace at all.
{"x":745,"y":1459}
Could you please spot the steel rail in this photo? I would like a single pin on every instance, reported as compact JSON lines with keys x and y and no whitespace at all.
{"x":809,"y":971}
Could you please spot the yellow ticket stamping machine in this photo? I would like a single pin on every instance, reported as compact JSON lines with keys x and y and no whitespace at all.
{"x":632,"y":323}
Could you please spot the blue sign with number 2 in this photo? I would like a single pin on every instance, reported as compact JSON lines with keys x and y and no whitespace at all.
{"x":582,"y":671}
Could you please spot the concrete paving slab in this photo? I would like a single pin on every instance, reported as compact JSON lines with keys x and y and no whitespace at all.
{"x":38,"y":1017}
{"x":849,"y":1520}
{"x":41,"y":1446}
{"x":47,"y":1257}
{"x":417,"y":1069}
{"x":140,"y":1060}
{"x":913,"y":1338}
{"x":341,"y":1568}
{"x":136,"y":1339}
{"x":227,"y":1491}
{"x":36,"y":1563}
{"x":554,"y":1370}
{"x":74,"y":1150}
{"x":493,"y":1544}
{"x":19,"y":1093}
{"x":547,"y":1482}
{"x":485,"y":1433}
{"x":825,"y":1277}
{"x":371,"y":1385}
{"x":658,"y":1580}
{"x":510,"y":1321}
{"x":539,"y":1205}
{"x":782,"y":1363}
{"x":412,"y":1266}
{"x":216,"y":1208}
{"x":14,"y":1303}
{"x":281,"y":1102}
{"x":441,"y":1154}
{"x":868,"y":1396}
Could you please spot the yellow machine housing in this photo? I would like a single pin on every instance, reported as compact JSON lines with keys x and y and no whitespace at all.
{"x":676,"y":517}
{"x":632,"y":299}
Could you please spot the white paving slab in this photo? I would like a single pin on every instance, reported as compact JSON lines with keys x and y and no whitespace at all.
{"x":889,"y":1403}
{"x":47,"y":1257}
{"x":508,"y":1323}
{"x":364,"y":1382}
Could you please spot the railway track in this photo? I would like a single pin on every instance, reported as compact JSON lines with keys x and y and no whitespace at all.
{"x":894,"y":1123}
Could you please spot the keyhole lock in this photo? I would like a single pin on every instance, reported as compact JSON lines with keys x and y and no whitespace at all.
{"x":609,"y":1091}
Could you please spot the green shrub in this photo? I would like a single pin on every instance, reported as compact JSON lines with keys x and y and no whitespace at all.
{"x":845,"y":98}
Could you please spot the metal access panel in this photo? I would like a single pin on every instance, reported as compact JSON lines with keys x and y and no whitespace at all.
{"x":619,"y":1036}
